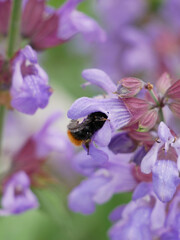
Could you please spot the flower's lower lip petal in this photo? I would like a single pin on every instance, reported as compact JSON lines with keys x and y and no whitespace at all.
{"x":103,"y":136}
{"x":118,"y":175}
{"x":81,"y":198}
{"x":165,"y":179}
{"x":86,"y":164}
{"x":97,"y":154}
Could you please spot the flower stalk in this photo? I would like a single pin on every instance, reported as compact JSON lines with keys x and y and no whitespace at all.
{"x":2,"y":113}
{"x":14,"y":28}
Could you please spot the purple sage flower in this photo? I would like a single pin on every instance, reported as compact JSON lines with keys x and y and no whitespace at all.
{"x":47,"y":27}
{"x":114,"y":108}
{"x":114,"y":176}
{"x":30,"y":89}
{"x":134,"y":33}
{"x":165,"y":171}
{"x":143,"y":218}
{"x":17,"y":196}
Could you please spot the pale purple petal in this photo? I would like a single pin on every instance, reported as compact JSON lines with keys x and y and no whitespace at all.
{"x":176,"y":145}
{"x":136,"y":226}
{"x":119,"y":174}
{"x":165,"y":179}
{"x":173,"y":218}
{"x":77,"y":22}
{"x":87,"y":164}
{"x":158,"y":215}
{"x":103,"y":136}
{"x":116,"y":214}
{"x":17,"y":78}
{"x":170,"y":235}
{"x":164,"y":132}
{"x":81,"y":198}
{"x":118,"y":114}
{"x":29,"y":53}
{"x":33,"y":94}
{"x":99,"y":78}
{"x":150,"y":158}
{"x":84,"y":106}
{"x":142,"y":190}
{"x":115,"y":109}
{"x":50,"y":140}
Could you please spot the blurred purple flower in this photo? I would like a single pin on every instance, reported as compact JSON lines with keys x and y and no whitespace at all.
{"x":134,"y":33}
{"x":29,"y":89}
{"x":171,"y":230}
{"x":135,"y":223}
{"x":143,"y":218}
{"x":17,"y":196}
{"x":48,"y":27}
{"x":102,"y":184}
{"x":47,"y":147}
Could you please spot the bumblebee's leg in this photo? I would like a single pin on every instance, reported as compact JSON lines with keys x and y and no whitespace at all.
{"x":86,"y":143}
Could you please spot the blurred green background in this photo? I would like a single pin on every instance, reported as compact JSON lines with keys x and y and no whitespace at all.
{"x":53,"y":220}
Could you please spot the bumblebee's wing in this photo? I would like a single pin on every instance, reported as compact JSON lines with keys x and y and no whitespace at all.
{"x":75,"y":126}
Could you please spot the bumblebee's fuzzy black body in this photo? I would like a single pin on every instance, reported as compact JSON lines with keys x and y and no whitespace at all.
{"x":85,"y":130}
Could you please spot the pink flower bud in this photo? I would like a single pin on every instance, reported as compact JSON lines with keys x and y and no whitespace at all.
{"x":129,"y":87}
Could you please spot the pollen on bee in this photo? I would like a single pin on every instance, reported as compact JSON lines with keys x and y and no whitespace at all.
{"x":73,"y":140}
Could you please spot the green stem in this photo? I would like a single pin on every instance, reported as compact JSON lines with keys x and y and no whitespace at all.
{"x":14,"y":28}
{"x":161,"y":115}
{"x":154,"y":97}
{"x":2,"y":113}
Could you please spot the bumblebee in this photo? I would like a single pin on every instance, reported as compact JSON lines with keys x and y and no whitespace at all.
{"x":81,"y":133}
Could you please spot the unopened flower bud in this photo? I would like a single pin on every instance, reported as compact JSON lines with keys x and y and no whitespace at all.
{"x":129,"y":87}
{"x":122,"y":143}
